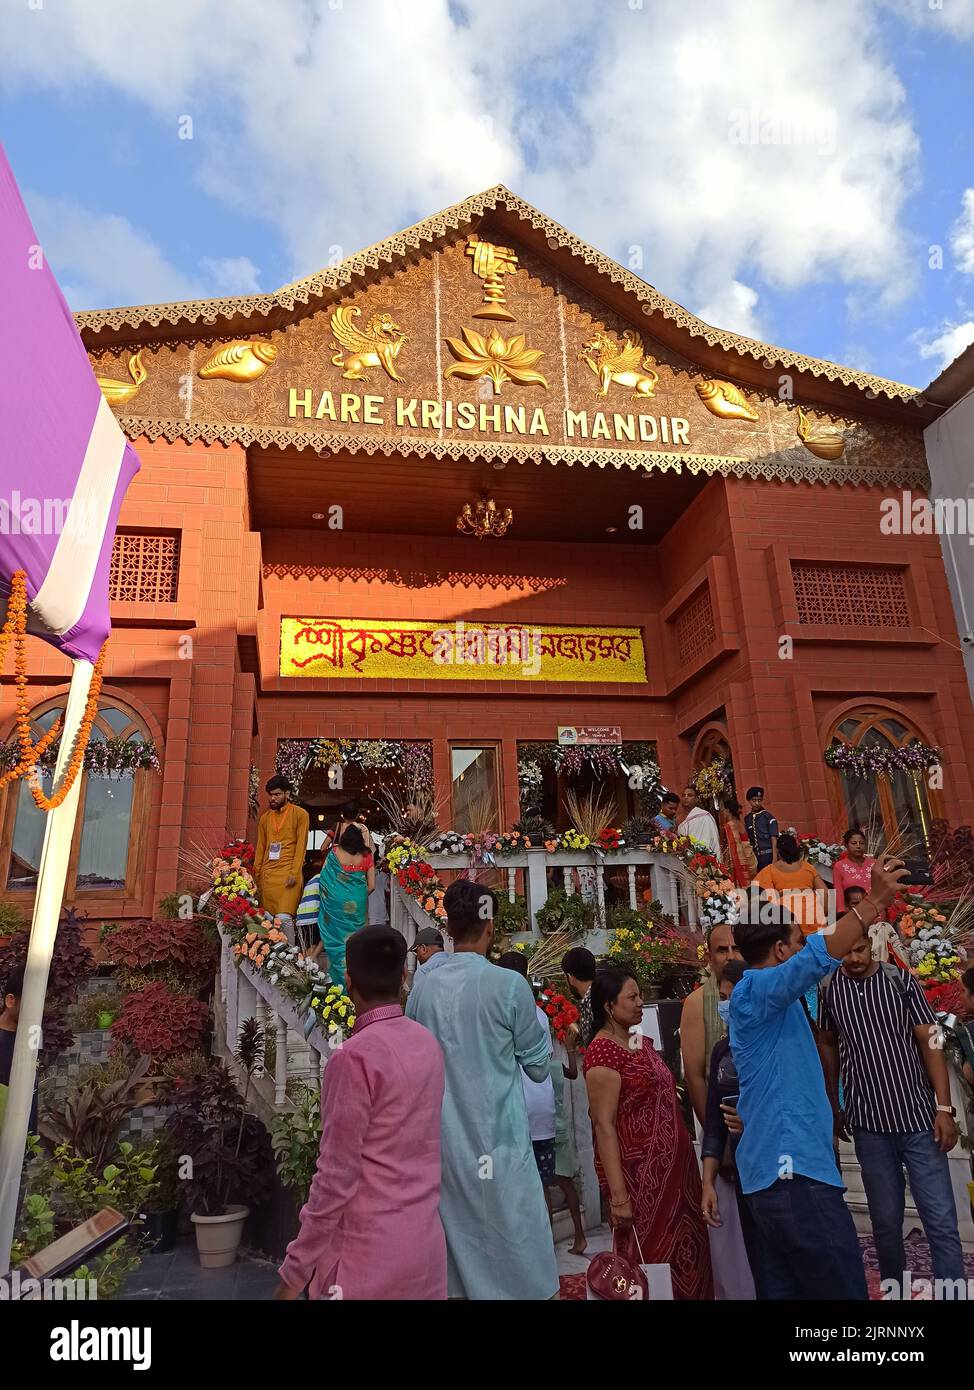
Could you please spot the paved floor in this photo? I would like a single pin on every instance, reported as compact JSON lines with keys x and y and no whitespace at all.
{"x":178,"y":1276}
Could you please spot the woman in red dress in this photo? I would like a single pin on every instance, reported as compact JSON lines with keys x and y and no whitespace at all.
{"x":739,"y":853}
{"x":643,"y":1157}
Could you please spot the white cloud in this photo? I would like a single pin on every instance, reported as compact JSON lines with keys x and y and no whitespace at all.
{"x":734,"y":308}
{"x":730,"y":144}
{"x":950,"y":342}
{"x":101,"y":259}
{"x":231,"y":275}
{"x":962,"y":234}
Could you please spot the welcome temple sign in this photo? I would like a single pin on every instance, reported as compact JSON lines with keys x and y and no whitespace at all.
{"x":362,"y":648}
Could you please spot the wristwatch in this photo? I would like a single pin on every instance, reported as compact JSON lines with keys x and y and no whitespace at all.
{"x":947,"y":1110}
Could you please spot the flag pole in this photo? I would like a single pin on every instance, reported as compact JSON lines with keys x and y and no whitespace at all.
{"x":51,"y":877}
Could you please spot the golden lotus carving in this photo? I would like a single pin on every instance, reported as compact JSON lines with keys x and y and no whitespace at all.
{"x":725,"y":399}
{"x":377,"y":345}
{"x":824,"y":441}
{"x":120,"y":392}
{"x":241,"y":360}
{"x":499,"y":359}
{"x":490,"y":262}
{"x":623,"y":364}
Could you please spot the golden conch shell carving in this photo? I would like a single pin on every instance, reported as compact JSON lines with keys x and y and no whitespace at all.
{"x":241,"y":360}
{"x":119,"y":392}
{"x":725,"y":399}
{"x":490,"y":262}
{"x":377,"y":345}
{"x":499,"y":359}
{"x":824,"y":441}
{"x":625,"y":365}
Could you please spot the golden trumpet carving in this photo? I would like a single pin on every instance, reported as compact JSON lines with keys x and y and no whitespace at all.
{"x":490,"y":262}
{"x":824,"y":441}
{"x":625,"y":365}
{"x":120,"y":392}
{"x":242,"y":360}
{"x":378,"y":345}
{"x":726,"y":400}
{"x":500,"y":359}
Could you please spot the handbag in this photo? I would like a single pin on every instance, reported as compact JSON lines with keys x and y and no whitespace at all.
{"x":614,"y":1275}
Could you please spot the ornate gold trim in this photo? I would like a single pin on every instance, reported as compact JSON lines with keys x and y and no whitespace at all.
{"x":778,"y":468}
{"x":438,"y":228}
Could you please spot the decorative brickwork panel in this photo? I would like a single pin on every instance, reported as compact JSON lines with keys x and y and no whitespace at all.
{"x":695,"y":629}
{"x":145,"y":567}
{"x":851,"y":595}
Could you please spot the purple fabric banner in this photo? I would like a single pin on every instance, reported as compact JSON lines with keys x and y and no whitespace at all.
{"x":64,"y":461}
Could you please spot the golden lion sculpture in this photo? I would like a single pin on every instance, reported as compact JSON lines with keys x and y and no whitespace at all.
{"x":626,"y":365}
{"x":376,"y":346}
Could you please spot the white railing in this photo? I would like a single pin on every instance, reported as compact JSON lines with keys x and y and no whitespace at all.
{"x":528,"y":874}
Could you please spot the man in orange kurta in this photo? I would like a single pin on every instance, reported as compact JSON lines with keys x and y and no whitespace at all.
{"x":282,"y":839}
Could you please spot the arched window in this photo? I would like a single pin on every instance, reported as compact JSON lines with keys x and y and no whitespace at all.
{"x":901,"y":806}
{"x":712,"y":747}
{"x":109,"y":839}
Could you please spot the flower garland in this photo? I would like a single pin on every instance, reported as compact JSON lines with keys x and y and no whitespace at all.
{"x":258,"y":939}
{"x":253,"y":791}
{"x":112,"y":757}
{"x":864,"y":761}
{"x":296,"y":755}
{"x":15,"y":627}
{"x":717,"y":902}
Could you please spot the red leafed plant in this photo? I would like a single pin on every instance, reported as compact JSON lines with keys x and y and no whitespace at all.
{"x":160,"y":1023}
{"x":179,"y":949}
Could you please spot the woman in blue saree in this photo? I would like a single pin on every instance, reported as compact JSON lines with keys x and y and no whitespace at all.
{"x":346,"y":880}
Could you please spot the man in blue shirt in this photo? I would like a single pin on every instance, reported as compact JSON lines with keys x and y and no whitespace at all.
{"x":806,"y":1238}
{"x":668,"y":811}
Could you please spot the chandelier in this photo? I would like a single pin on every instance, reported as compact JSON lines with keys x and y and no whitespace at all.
{"x":483,"y":518}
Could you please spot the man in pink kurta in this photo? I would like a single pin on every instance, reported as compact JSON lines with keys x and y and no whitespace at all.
{"x":371,"y":1228}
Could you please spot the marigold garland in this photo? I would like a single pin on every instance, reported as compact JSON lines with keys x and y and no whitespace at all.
{"x":15,"y":626}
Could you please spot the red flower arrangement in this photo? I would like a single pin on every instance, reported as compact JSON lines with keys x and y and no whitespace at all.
{"x":609,"y":839}
{"x":945,"y":998}
{"x":239,"y":849}
{"x":560,"y":1010}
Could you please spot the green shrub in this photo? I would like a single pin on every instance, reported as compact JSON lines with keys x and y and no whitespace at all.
{"x":96,"y":1011}
{"x":565,"y":912}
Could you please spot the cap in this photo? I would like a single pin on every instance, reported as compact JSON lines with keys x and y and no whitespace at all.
{"x":428,"y":936}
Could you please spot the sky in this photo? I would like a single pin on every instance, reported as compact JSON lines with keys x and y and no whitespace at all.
{"x":801,"y":171}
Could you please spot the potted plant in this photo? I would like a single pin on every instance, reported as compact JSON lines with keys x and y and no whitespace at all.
{"x":646,"y":946}
{"x":296,"y":1138}
{"x":229,"y":1152}
{"x":565,"y":912}
{"x":162,"y":1208}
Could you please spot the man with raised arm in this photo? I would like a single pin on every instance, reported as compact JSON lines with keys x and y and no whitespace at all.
{"x":806,"y":1240}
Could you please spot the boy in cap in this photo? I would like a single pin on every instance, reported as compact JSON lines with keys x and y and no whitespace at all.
{"x":762,"y":829}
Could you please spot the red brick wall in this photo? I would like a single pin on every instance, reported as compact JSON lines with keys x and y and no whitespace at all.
{"x":735,"y":540}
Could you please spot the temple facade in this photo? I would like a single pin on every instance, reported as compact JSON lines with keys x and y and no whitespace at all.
{"x":480,"y":506}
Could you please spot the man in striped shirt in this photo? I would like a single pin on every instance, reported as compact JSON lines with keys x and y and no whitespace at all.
{"x":877,"y":1026}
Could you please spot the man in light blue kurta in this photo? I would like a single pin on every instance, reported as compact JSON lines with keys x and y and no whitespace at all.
{"x":492,"y":1204}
